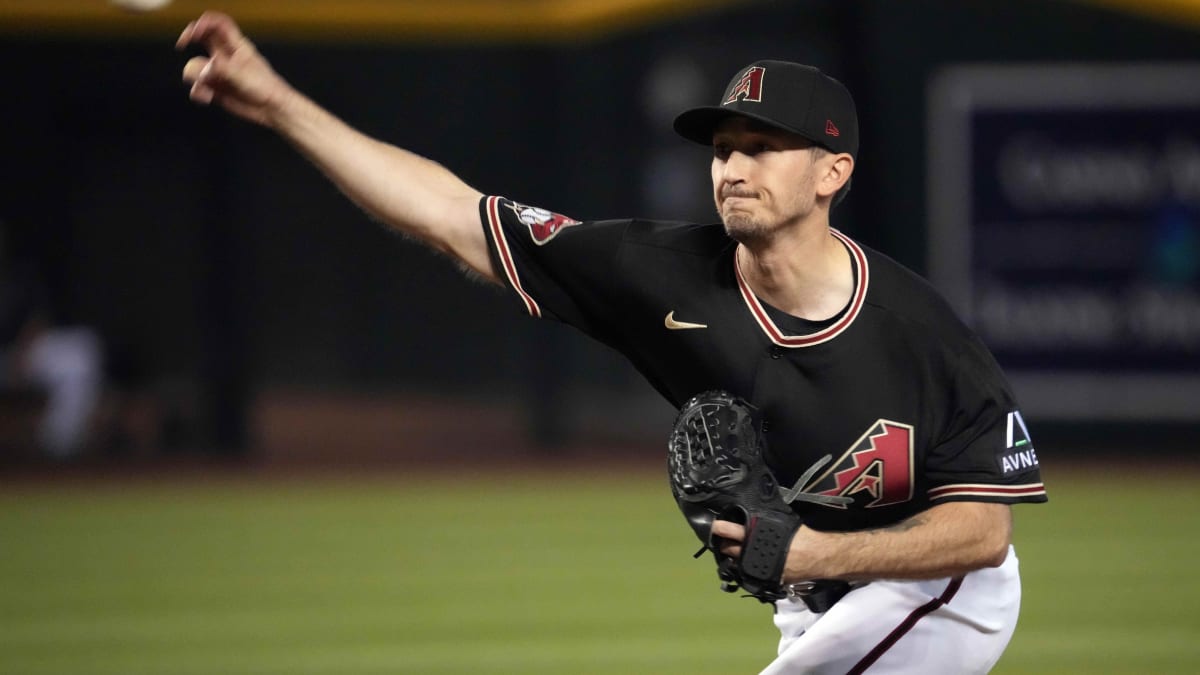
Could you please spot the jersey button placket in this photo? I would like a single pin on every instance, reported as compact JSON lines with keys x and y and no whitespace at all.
{"x":776,"y":351}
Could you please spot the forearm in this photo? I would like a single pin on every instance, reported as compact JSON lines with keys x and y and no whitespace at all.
{"x":946,"y":540}
{"x":407,"y":192}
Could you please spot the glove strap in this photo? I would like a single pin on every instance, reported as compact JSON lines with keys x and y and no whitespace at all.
{"x":764,"y":553}
{"x":820,"y":595}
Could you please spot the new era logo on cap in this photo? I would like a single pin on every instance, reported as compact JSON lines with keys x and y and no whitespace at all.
{"x":830,"y":129}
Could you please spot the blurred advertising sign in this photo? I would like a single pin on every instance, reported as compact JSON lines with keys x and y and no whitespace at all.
{"x":1064,"y":206}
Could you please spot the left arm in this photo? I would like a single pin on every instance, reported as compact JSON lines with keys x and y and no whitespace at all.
{"x":946,"y":540}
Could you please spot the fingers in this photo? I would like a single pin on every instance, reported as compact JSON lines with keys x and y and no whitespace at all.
{"x":185,"y":38}
{"x":197,"y":72}
{"x":196,"y":68}
{"x":202,"y":94}
{"x":215,"y":31}
{"x":727,"y":530}
{"x":727,"y":536}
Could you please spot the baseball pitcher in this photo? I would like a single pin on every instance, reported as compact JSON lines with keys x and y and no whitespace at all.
{"x":846,"y":449}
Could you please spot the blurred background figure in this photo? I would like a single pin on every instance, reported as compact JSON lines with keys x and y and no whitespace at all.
{"x":55,"y":370}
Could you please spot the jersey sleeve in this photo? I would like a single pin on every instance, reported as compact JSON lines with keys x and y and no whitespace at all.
{"x":556,"y":267}
{"x":986,"y":452}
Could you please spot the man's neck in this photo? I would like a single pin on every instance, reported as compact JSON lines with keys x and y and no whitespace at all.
{"x":805,"y":273}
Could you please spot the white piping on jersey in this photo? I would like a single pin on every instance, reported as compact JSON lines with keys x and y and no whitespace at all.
{"x":506,"y":259}
{"x":856,"y":302}
{"x":986,"y":490}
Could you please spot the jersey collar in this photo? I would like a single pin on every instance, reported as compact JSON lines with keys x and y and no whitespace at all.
{"x":856,"y":302}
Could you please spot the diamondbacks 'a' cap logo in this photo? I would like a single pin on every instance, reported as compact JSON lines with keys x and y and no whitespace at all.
{"x":749,"y":87}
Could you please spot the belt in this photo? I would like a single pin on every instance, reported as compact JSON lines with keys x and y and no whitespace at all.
{"x":819,"y":595}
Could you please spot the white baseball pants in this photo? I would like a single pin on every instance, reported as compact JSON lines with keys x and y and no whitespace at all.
{"x":944,"y":626}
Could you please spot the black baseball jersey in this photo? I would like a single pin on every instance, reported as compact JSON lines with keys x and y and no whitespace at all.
{"x":900,"y":400}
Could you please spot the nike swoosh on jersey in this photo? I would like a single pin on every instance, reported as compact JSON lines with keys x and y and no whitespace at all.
{"x":672,"y":324}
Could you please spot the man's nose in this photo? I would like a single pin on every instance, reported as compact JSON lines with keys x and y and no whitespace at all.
{"x":736,"y":166}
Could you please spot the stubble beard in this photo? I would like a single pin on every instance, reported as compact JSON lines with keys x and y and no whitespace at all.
{"x":744,"y":228}
{"x":761,"y":225}
{"x":744,"y":225}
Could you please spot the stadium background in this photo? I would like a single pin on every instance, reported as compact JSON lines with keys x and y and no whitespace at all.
{"x":309,"y":389}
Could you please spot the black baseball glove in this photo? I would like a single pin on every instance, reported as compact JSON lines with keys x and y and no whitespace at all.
{"x":717,"y":469}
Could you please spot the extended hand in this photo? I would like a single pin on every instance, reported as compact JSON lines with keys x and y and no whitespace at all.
{"x":234,"y":74}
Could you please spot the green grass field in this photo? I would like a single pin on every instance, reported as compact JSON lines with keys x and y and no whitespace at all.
{"x":505,"y":574}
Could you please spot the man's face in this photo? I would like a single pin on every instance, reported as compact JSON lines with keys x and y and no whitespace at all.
{"x":763,"y":178}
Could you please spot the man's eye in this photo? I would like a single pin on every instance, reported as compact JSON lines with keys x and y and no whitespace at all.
{"x":720,"y":151}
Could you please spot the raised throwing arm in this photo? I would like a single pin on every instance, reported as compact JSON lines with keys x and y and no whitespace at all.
{"x":407,"y":192}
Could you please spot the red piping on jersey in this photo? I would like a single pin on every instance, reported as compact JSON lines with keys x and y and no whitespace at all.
{"x":985,"y":490}
{"x":510,"y":268}
{"x":856,"y":303}
{"x":905,"y":626}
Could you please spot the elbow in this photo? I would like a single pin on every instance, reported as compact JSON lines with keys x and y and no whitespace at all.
{"x":995,"y":556}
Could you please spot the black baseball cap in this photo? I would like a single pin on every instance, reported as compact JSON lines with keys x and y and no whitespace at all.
{"x":789,"y":96}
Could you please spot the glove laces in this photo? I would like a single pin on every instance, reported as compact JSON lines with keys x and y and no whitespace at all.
{"x":796,"y":493}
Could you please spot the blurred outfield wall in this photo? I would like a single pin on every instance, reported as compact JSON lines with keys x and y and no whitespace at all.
{"x":225,"y":267}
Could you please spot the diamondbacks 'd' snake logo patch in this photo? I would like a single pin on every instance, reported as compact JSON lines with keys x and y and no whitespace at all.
{"x":543,"y":225}
{"x":877,"y":469}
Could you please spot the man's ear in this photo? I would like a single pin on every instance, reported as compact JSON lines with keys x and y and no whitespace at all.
{"x":837,"y":173}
